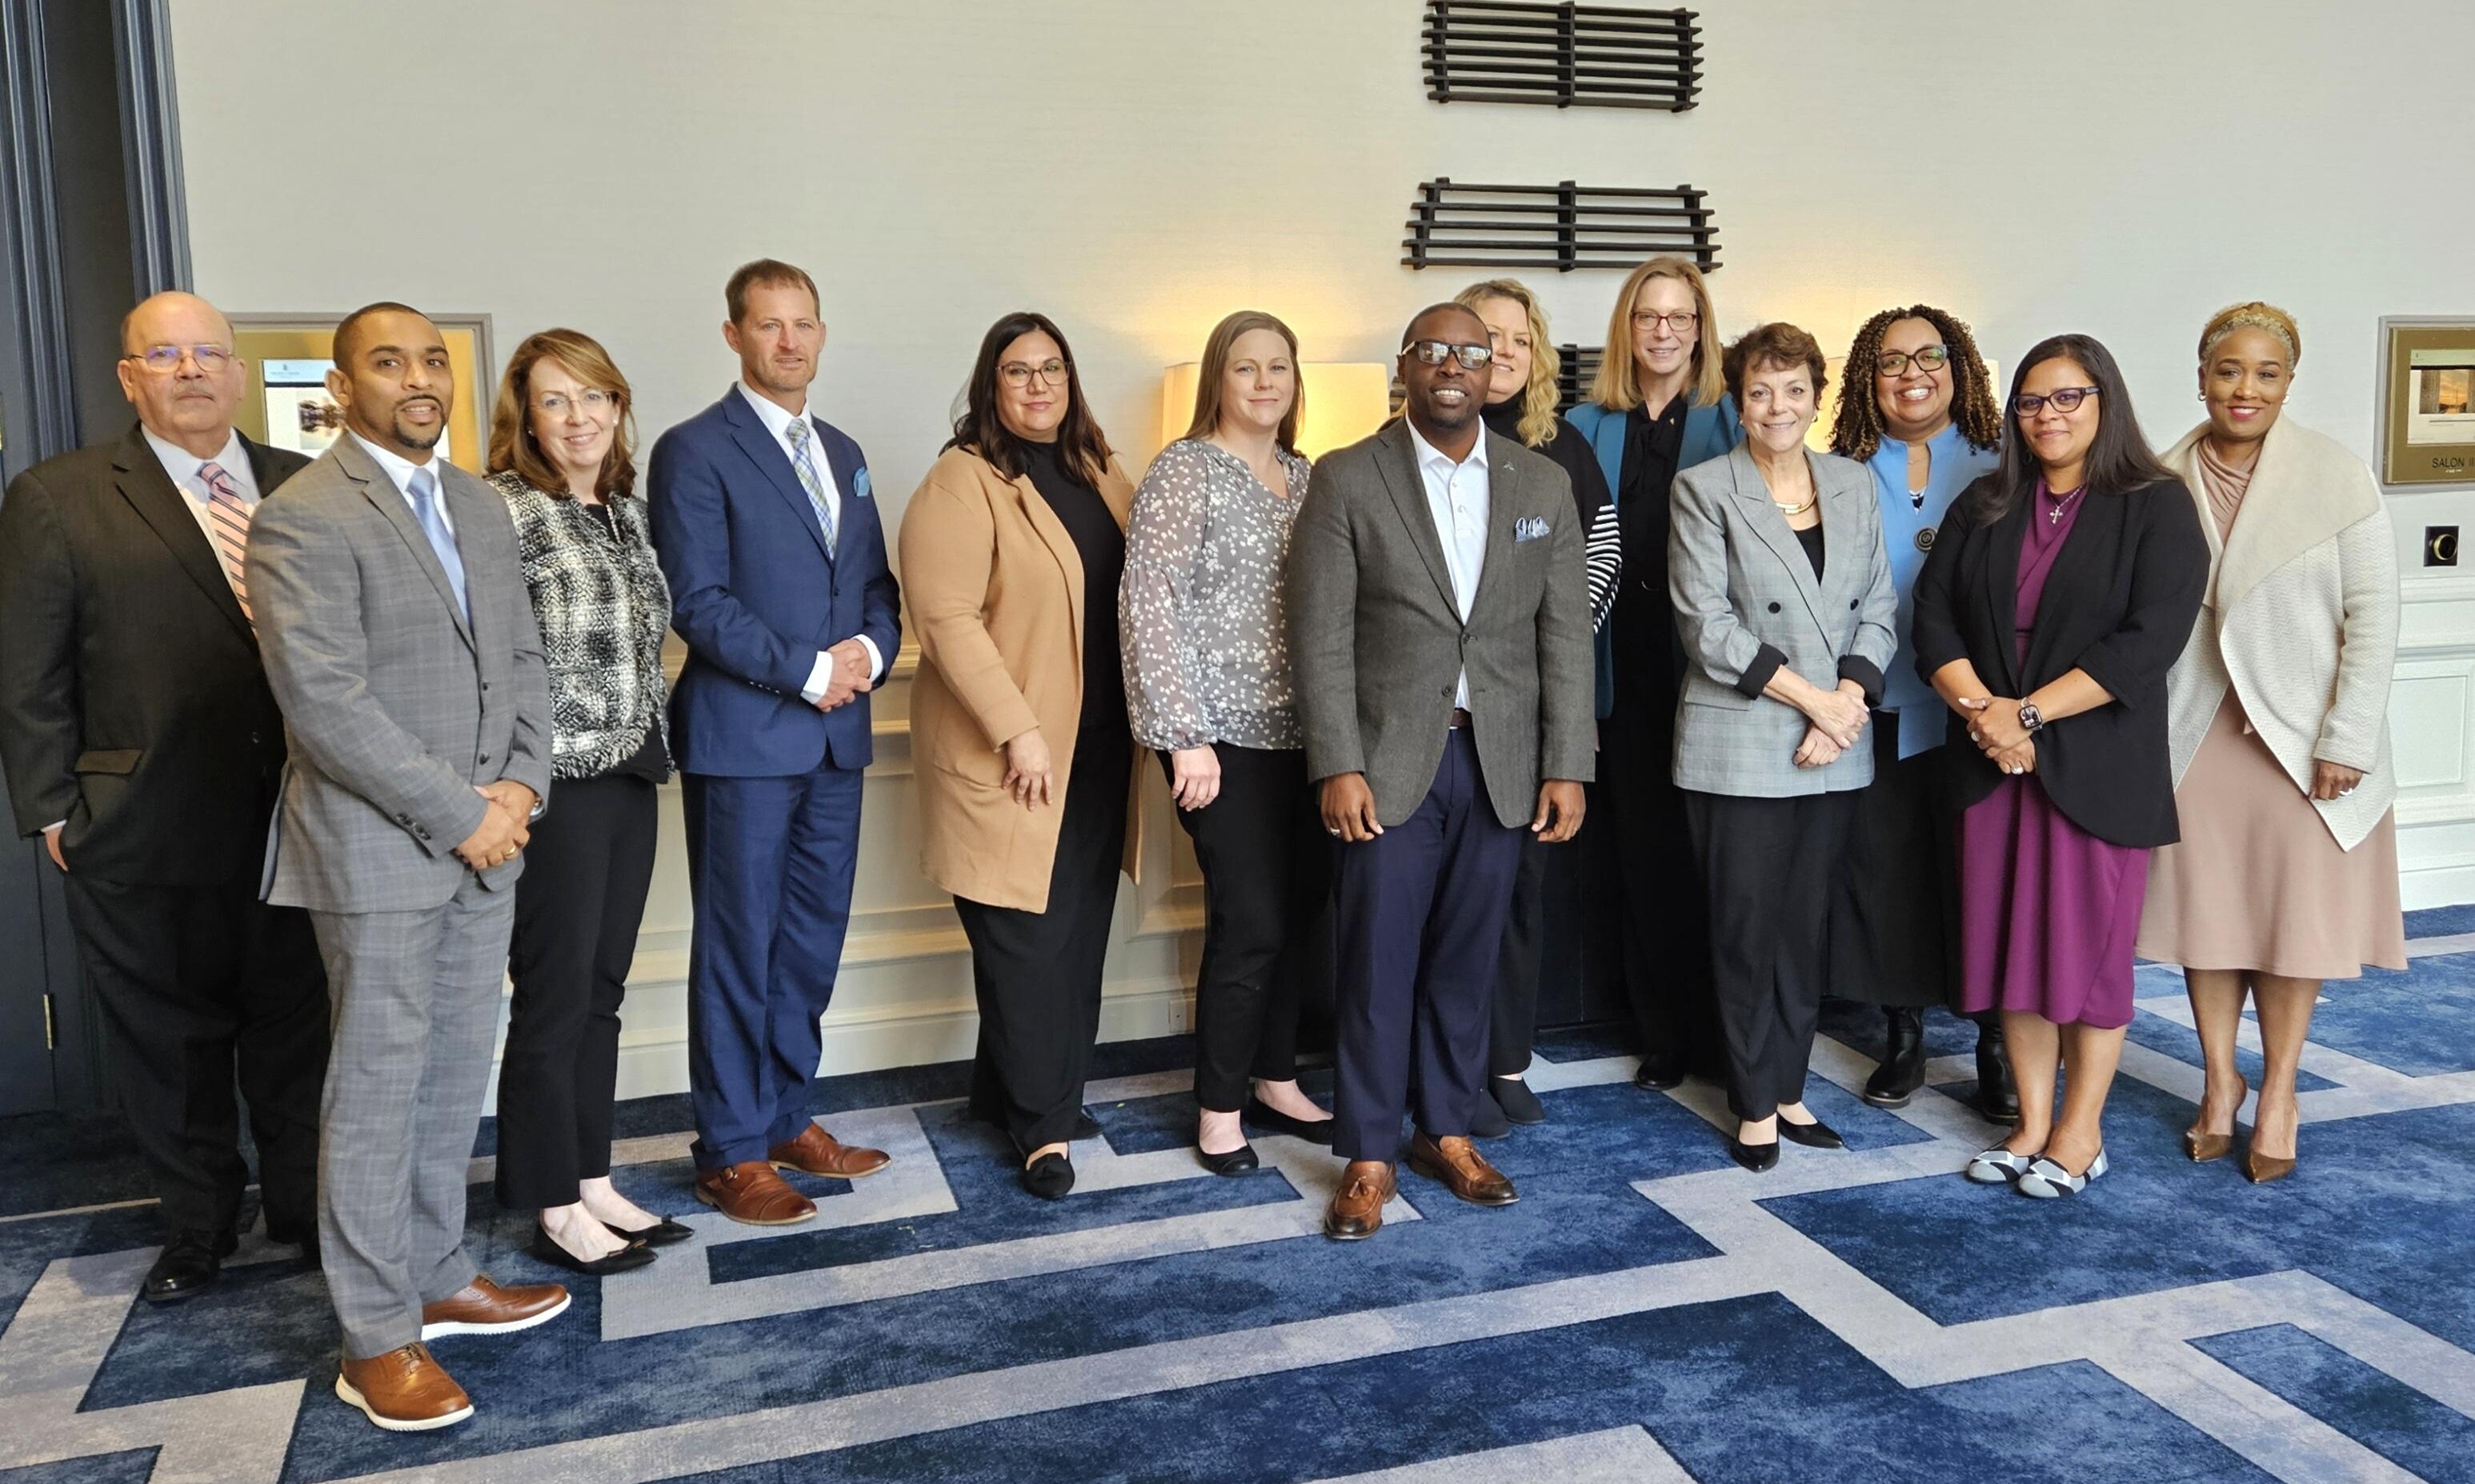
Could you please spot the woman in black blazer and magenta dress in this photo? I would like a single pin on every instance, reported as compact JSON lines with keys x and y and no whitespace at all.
{"x":2060,"y":593}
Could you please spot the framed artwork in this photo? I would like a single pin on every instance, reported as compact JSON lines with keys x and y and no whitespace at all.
{"x":286,"y":360}
{"x":2427,"y":403}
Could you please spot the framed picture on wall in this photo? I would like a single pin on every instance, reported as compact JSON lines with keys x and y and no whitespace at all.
{"x":286,"y":358}
{"x":2427,"y":403}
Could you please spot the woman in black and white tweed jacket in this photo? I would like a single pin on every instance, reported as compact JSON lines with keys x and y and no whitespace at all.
{"x":560,"y":453}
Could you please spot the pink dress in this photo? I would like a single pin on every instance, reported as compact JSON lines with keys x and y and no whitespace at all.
{"x":2048,"y":911}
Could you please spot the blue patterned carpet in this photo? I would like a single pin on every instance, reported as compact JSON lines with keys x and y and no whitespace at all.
{"x":1647,"y":1312}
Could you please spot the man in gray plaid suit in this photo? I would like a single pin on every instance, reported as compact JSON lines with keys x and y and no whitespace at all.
{"x":399,"y":642}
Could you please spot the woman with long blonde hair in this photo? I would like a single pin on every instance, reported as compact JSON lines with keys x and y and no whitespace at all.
{"x":1521,"y":407}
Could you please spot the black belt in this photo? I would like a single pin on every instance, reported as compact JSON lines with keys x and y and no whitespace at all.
{"x":1460,"y":719}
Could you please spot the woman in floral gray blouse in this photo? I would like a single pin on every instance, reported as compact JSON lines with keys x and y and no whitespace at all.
{"x":1208,"y":685}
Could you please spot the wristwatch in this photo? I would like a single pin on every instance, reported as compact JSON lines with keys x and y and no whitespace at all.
{"x":2031,"y":718}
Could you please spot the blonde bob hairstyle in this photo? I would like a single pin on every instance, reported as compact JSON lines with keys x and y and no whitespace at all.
{"x":1210,"y":393}
{"x":1539,"y":399}
{"x":512,"y":444}
{"x":1618,"y":384}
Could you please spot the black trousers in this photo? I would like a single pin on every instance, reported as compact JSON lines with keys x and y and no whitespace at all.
{"x":1770,"y":864}
{"x":1036,"y":975}
{"x":197,"y":985}
{"x":1666,"y":916}
{"x":1266,"y":873}
{"x":1895,"y":907}
{"x":1513,"y":1019}
{"x":578,"y":905}
{"x":1421,"y":921}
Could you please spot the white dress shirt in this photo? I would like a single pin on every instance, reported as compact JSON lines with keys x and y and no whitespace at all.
{"x":400,"y":470}
{"x":1459,"y":496}
{"x":183,"y":466}
{"x":778,"y":423}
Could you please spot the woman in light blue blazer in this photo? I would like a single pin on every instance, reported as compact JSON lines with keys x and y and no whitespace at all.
{"x":1657,"y":406}
{"x":1785,"y":606}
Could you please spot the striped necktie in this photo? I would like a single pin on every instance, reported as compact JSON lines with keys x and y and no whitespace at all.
{"x":805,"y":464}
{"x":227,"y":516}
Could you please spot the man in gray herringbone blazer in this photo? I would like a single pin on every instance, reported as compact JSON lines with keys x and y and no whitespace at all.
{"x":399,"y":642}
{"x":1440,"y":622}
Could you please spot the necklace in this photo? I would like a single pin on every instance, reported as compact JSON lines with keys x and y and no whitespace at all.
{"x":2062,"y":503}
{"x":1793,"y":511}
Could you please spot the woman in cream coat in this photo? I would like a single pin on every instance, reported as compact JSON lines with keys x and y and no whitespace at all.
{"x":2287,"y":873}
{"x":1011,"y":553}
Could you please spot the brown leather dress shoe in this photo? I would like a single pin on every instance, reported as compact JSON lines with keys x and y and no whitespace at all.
{"x":1357,"y":1210}
{"x":403,"y":1391}
{"x":815,"y":1152}
{"x":482,"y":1306}
{"x":752,"y":1195}
{"x":1463,"y":1171}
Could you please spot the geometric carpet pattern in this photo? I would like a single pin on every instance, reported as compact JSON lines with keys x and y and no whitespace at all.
{"x":1647,"y":1312}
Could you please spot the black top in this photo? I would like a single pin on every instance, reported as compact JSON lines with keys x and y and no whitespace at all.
{"x":1810,"y":538}
{"x":650,"y":761}
{"x":1570,"y":451}
{"x":1649,"y":657}
{"x":2118,"y":605}
{"x":1101,"y":545}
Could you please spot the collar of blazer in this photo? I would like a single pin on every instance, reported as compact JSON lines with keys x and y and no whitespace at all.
{"x":2304,"y":490}
{"x":758,"y":443}
{"x":390,"y":503}
{"x":147,"y":487}
{"x":1116,"y":492}
{"x":1834,"y":486}
{"x":1406,"y":484}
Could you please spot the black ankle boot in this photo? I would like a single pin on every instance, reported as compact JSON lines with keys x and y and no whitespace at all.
{"x":1903,"y":1064}
{"x":1998,"y":1096}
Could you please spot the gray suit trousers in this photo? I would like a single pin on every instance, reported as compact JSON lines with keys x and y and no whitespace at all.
{"x":416,"y":1009}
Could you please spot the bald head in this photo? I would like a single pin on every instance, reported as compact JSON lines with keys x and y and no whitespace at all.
{"x":184,"y":392}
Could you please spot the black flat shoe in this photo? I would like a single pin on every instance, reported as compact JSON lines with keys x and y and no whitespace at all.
{"x":546,"y":1248}
{"x":1816,"y":1135}
{"x":1241,"y":1160}
{"x":1659,"y":1073}
{"x":1086,"y":1126}
{"x":1756,"y":1158}
{"x":1520,"y":1105}
{"x":1486,"y":1121}
{"x":662,"y":1233}
{"x":191,"y":1264}
{"x":1263,"y":1115}
{"x":1049,"y":1176}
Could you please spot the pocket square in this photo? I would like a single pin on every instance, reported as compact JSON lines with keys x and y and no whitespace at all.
{"x":859,"y":483}
{"x":1529,"y":527}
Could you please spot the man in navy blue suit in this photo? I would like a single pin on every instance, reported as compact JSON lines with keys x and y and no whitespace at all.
{"x":765,"y":526}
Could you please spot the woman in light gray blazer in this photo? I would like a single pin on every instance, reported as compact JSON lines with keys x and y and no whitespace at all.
{"x":1776,"y":570}
{"x":2277,"y":719}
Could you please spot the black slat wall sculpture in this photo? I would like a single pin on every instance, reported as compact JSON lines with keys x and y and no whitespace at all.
{"x":1577,"y":366}
{"x":1591,"y":56}
{"x":1561,"y":227}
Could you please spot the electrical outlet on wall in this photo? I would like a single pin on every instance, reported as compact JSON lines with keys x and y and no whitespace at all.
{"x":2441,"y":545}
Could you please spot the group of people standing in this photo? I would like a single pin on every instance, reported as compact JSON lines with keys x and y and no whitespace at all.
{"x":1963,"y":713}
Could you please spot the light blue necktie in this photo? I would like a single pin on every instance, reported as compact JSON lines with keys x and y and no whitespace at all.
{"x":806,"y":467}
{"x":434,"y":524}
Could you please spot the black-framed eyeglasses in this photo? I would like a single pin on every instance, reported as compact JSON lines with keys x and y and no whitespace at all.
{"x":1896,"y":363}
{"x":165,"y":359}
{"x":1017,"y":373}
{"x":1434,"y":353}
{"x":1681,"y":324}
{"x":2065,"y":399}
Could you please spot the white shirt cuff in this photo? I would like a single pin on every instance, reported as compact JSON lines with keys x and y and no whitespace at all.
{"x":875,"y":661}
{"x":819,"y":678}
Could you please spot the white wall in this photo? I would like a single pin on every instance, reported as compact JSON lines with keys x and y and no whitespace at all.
{"x":1139,"y":167}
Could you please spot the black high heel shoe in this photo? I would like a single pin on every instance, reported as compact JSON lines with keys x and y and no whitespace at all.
{"x":626,"y":1259}
{"x":1049,"y":1176}
{"x":1816,"y":1135}
{"x":664,"y":1232}
{"x":1756,"y":1158}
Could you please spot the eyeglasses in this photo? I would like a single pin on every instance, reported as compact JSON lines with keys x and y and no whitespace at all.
{"x":1434,"y":352}
{"x":594,"y":402}
{"x":1681,"y":324}
{"x":1018,"y":375}
{"x":1896,"y":363}
{"x":2065,"y":399}
{"x":165,"y":359}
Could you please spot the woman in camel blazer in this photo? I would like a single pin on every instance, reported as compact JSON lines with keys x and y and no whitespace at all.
{"x":1011,"y":553}
{"x":2277,"y":723}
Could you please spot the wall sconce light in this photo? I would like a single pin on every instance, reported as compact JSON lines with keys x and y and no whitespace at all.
{"x":1345,"y":401}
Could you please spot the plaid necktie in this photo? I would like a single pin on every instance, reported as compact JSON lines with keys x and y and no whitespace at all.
{"x":227,"y":516}
{"x":805,"y":465}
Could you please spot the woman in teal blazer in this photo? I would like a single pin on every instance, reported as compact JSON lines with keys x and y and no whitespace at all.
{"x":1659,"y":406}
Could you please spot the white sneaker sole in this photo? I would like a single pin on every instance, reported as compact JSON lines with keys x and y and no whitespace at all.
{"x":344,"y":1389}
{"x":440,"y":1331}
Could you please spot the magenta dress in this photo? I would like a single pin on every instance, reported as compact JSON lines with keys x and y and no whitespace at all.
{"x":2048,"y":911}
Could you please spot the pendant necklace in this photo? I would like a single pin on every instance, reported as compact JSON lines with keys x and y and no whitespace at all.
{"x":2062,"y":504}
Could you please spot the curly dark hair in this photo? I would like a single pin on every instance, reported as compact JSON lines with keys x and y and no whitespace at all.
{"x":1857,"y":432}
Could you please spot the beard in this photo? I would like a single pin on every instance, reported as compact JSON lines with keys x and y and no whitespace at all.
{"x":419,"y":438}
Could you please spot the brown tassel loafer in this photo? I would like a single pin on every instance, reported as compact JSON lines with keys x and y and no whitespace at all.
{"x":1357,"y":1210}
{"x":752,"y":1195}
{"x":1462,"y":1170}
{"x":815,"y":1152}
{"x":482,"y":1306}
{"x":403,"y":1391}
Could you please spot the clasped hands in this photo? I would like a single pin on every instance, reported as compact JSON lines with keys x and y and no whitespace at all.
{"x":1838,"y":718}
{"x":505,"y":826}
{"x":1994,"y":725}
{"x":849,"y":679}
